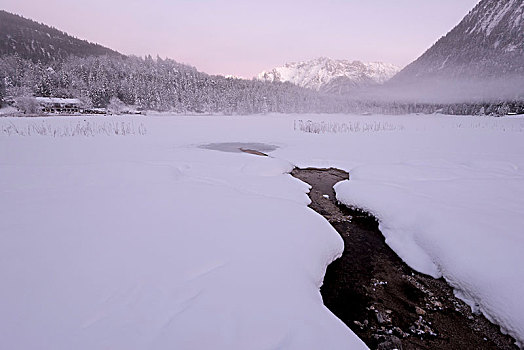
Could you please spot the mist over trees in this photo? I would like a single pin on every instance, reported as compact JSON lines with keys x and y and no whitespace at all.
{"x":480,"y":60}
{"x":165,"y":85}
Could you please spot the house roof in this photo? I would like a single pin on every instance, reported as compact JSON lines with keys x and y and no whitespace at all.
{"x":56,"y":100}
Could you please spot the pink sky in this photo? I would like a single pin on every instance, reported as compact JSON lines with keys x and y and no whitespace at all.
{"x":245,"y":37}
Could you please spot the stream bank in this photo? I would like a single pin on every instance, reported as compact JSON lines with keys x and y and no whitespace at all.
{"x":385,"y":302}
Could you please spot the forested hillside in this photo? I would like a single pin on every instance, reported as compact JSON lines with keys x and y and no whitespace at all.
{"x":41,"y":43}
{"x":156,"y":84}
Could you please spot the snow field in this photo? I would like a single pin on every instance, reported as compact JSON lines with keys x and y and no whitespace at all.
{"x":147,"y":240}
{"x":144,"y":242}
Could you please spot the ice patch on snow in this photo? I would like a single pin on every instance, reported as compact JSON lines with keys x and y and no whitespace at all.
{"x":237,"y":147}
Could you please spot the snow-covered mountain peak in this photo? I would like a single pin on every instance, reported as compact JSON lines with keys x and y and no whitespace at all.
{"x":320,"y":73}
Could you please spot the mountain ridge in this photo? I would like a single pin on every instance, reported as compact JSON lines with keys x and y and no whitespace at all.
{"x":487,"y":43}
{"x":40,"y":42}
{"x":330,"y":75}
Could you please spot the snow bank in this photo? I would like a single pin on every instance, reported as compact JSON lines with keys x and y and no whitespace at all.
{"x":461,"y":219}
{"x":142,"y":242}
{"x":448,"y":192}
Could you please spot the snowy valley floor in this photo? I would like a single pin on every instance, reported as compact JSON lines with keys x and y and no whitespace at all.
{"x":137,"y":237}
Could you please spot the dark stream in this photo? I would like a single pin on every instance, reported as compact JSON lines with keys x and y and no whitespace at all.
{"x":386,"y":303}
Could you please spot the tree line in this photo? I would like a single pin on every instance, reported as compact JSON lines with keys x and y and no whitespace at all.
{"x":165,"y":85}
{"x":155,"y":84}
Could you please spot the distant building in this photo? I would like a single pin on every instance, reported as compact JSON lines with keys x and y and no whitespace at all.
{"x":94,"y":111}
{"x":60,"y":105}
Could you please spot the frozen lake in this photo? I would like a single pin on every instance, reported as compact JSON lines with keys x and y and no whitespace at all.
{"x":137,"y":236}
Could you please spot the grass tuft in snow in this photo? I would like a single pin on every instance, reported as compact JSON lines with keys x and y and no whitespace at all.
{"x":322,"y":127}
{"x":80,"y":128}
